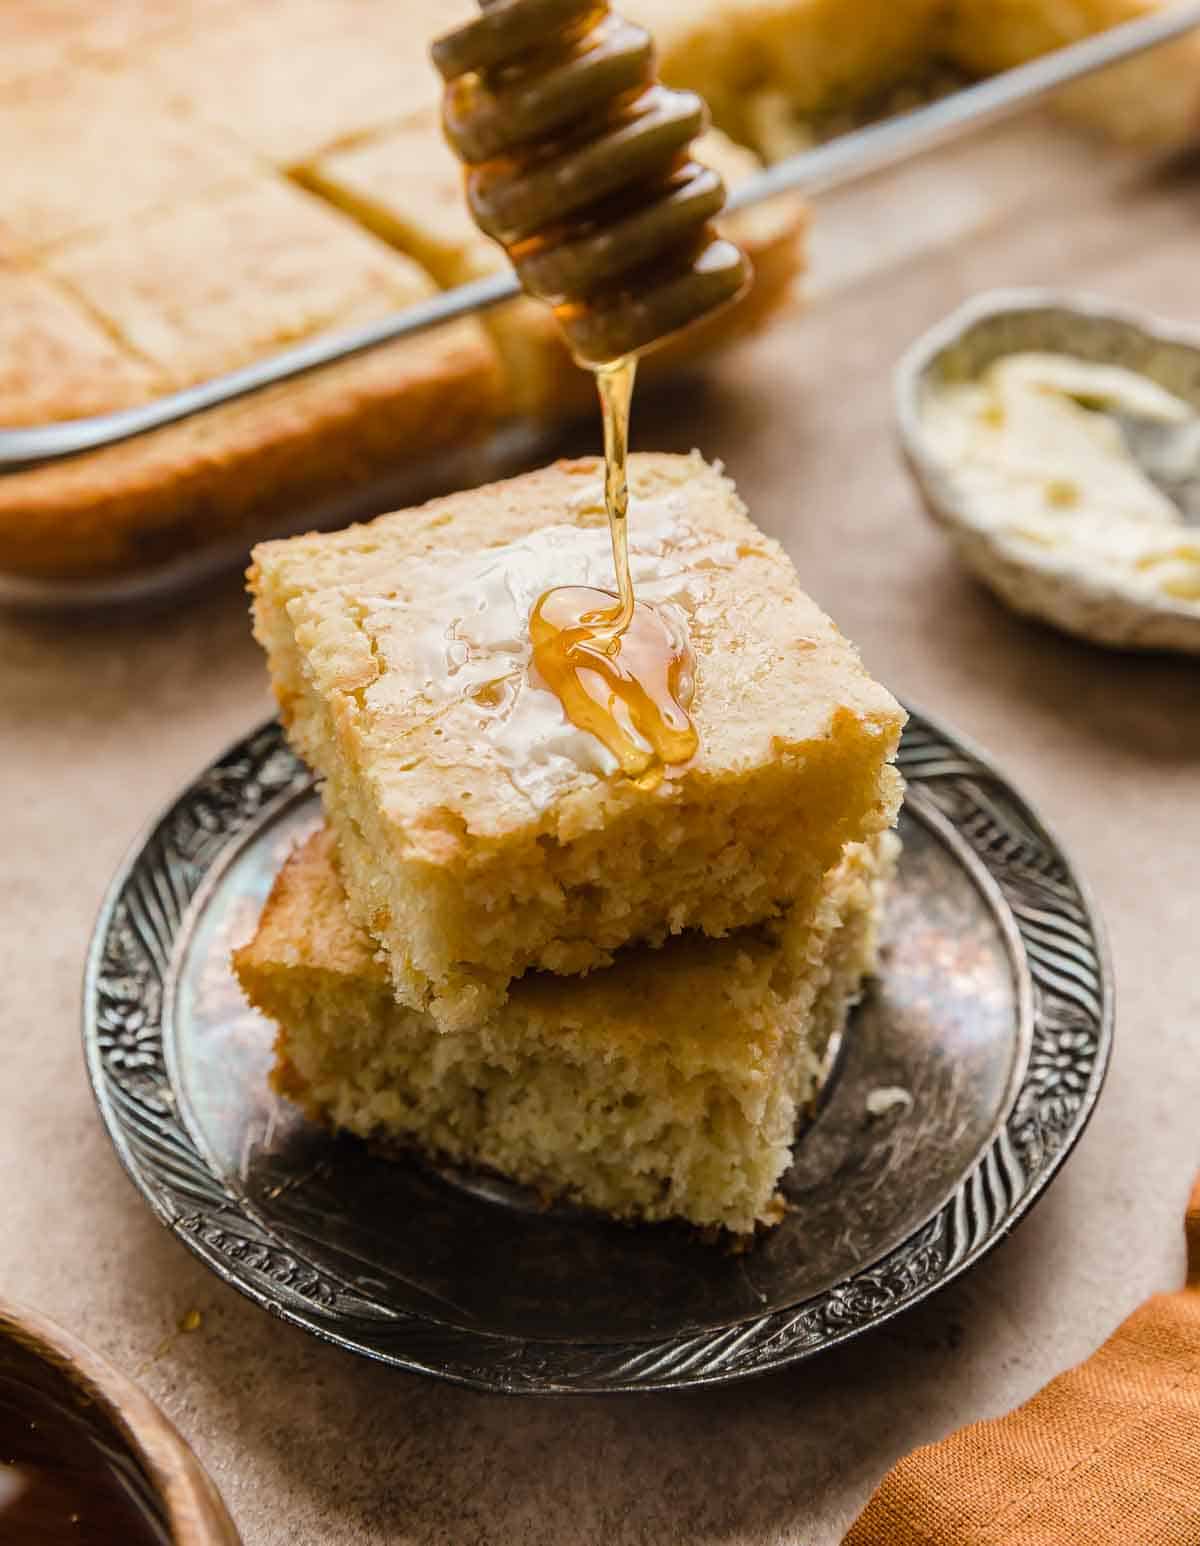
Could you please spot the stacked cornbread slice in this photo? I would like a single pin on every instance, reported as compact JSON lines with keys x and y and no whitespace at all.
{"x":503,"y":951}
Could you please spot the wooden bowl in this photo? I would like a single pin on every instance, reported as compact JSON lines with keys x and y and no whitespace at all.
{"x":44,"y":1370}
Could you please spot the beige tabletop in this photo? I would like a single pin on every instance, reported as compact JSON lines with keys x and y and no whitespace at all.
{"x":102,"y":717}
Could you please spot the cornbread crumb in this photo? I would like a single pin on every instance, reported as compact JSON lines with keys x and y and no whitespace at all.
{"x":667,"y":1086}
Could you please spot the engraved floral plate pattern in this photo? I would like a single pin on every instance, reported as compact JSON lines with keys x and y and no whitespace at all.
{"x":1062,"y":961}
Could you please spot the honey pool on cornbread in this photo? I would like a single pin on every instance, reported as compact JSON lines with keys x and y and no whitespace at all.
{"x":480,"y":832}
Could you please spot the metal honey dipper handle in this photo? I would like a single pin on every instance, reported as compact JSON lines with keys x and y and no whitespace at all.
{"x":577,"y":164}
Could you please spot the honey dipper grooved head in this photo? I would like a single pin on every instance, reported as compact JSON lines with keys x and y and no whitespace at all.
{"x":577,"y":164}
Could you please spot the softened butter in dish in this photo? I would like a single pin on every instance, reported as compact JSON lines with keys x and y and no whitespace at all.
{"x":1036,"y":448}
{"x":1024,"y":418}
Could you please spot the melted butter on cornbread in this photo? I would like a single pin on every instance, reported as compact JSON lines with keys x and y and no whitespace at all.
{"x":1038,"y":460}
{"x":481,"y":649}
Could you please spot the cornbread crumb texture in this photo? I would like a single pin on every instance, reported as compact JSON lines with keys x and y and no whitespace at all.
{"x":56,"y":360}
{"x":210,"y":286}
{"x":668,"y":1085}
{"x":479,"y":832}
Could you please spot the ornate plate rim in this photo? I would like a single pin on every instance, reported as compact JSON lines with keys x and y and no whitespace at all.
{"x":122,"y":1032}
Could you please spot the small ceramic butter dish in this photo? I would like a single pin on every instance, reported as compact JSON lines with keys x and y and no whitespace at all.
{"x":1056,"y":440}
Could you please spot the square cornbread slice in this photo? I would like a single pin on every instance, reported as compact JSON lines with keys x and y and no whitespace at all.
{"x":56,"y":361}
{"x":665,"y":1086}
{"x":406,"y":185}
{"x":482,"y":834}
{"x":92,"y":150}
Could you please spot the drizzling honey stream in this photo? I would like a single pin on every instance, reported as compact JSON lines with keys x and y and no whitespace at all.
{"x":577,"y":164}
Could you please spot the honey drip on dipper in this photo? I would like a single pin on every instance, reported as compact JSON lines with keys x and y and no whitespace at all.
{"x":577,"y":164}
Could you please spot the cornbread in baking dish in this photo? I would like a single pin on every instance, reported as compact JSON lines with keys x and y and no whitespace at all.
{"x":208,"y":286}
{"x":481,"y":834}
{"x":773,"y":70}
{"x":406,"y":186}
{"x":665,"y":1086}
{"x":239,"y":469}
{"x":118,"y":113}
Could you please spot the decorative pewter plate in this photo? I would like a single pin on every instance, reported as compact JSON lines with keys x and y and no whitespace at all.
{"x":992,"y":1010}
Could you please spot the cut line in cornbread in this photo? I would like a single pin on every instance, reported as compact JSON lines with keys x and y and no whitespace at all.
{"x":56,"y":360}
{"x":481,"y":834}
{"x":212,"y":285}
{"x":223,"y":474}
{"x":115,"y":112}
{"x":406,"y":185}
{"x":665,"y":1086}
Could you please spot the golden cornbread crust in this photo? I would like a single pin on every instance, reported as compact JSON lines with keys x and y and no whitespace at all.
{"x":236,"y":469}
{"x":668,"y":1085}
{"x":466,"y":881}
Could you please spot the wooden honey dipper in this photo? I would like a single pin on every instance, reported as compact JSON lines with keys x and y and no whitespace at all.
{"x":577,"y":164}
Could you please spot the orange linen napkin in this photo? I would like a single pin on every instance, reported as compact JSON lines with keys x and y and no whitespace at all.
{"x":1107,"y":1455}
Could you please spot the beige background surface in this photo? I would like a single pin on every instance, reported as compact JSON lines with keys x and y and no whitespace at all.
{"x":102,"y":717}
